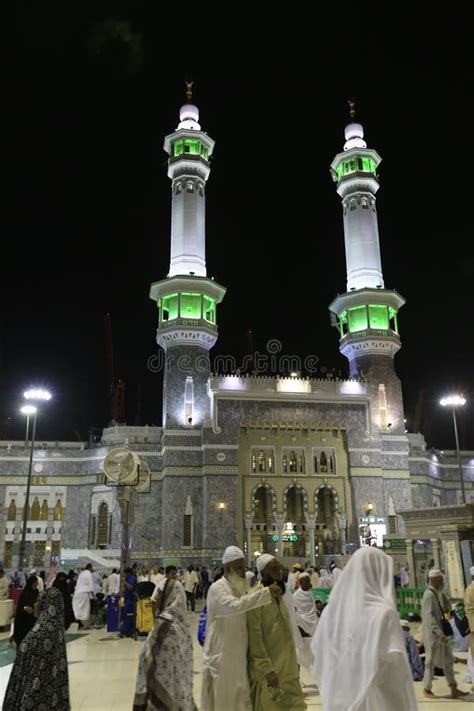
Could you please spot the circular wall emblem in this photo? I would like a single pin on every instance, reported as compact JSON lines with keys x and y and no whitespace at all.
{"x":263,"y":438}
{"x":220,"y":457}
{"x":38,"y":467}
{"x":365,"y":458}
{"x":324,"y":439}
{"x":293,"y":438}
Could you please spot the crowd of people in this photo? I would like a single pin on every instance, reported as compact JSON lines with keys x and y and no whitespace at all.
{"x":261,"y":626}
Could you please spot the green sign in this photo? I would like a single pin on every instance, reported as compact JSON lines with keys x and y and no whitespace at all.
{"x":292,"y":537}
{"x":395,"y":544}
{"x":275,"y":538}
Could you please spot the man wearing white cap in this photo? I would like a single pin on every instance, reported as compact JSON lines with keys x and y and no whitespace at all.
{"x":273,"y":667}
{"x":469,"y":609}
{"x":225,"y":683}
{"x":306,"y":618}
{"x":437,"y":651}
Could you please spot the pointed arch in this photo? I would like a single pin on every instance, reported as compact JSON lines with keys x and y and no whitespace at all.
{"x":304,"y":506}
{"x":44,"y":511}
{"x":58,"y":511}
{"x":271,"y":492}
{"x":35,"y":512}
{"x":12,"y":511}
{"x":102,"y":525}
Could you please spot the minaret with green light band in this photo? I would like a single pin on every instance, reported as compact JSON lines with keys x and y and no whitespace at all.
{"x":366,"y":315}
{"x":187,"y":298}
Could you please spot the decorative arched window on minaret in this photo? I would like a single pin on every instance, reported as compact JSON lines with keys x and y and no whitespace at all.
{"x":188,"y":524}
{"x":44,"y":511}
{"x":188,"y":401}
{"x":383,"y":416}
{"x":58,"y":511}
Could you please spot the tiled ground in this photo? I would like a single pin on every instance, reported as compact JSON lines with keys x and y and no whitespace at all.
{"x":102,"y":673}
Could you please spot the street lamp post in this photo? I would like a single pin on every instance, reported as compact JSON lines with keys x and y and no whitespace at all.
{"x":34,"y":395}
{"x":27,"y":410}
{"x":455,"y":401}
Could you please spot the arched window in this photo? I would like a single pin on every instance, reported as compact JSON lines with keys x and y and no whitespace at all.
{"x":285,"y":463}
{"x":44,"y":511}
{"x":323,"y":463}
{"x":300,"y":464}
{"x":331,"y":464}
{"x":293,"y":462}
{"x":58,"y":511}
{"x":103,"y":525}
{"x":270,"y":463}
{"x":35,"y":512}
{"x":261,"y":461}
{"x":12,"y":511}
{"x":254,"y":463}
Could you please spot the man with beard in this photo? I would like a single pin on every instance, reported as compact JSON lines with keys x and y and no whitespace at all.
{"x":273,"y":668}
{"x":225,"y":683}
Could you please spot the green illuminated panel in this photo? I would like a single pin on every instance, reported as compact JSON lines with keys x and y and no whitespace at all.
{"x":190,"y":305}
{"x":189,"y":146}
{"x":357,"y":318}
{"x":392,"y":314}
{"x":209,"y":309}
{"x":362,"y":164}
{"x":169,"y":307}
{"x":378,"y":316}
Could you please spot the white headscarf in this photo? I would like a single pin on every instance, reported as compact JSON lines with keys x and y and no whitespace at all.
{"x":359,"y":628}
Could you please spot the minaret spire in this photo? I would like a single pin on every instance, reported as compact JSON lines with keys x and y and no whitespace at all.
{"x":352,"y":111}
{"x":189,"y":91}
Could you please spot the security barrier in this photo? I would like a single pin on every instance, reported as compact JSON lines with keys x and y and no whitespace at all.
{"x":409,"y":601}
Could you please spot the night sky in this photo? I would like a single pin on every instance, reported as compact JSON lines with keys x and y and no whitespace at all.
{"x":86,"y":220}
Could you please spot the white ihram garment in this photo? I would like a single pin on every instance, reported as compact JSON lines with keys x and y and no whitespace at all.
{"x":307,"y":619}
{"x":288,"y":597}
{"x":335,"y":575}
{"x":81,"y":602}
{"x":325,"y":580}
{"x":360,"y":659}
{"x":225,"y":684}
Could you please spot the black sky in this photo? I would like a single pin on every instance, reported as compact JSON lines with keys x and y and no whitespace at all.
{"x":94,"y":88}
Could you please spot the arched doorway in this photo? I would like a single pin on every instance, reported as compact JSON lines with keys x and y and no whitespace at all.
{"x":262,"y":521}
{"x":294,"y":536}
{"x":327,"y":532}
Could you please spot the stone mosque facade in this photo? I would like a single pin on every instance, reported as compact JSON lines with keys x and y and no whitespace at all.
{"x":302,"y":467}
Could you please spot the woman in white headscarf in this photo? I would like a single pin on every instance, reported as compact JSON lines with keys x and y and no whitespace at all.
{"x":360,"y":658}
{"x":325,"y":581}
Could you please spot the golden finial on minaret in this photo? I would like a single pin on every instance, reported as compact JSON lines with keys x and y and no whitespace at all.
{"x":352,"y":107}
{"x":189,"y":90}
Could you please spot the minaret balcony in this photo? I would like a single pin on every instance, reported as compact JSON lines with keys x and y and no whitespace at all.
{"x":200,"y":323}
{"x":370,"y":341}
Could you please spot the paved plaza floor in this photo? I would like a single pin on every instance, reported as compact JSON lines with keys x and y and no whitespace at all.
{"x":102,"y":671}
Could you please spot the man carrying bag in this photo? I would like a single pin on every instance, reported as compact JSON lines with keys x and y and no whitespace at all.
{"x":436,"y":630}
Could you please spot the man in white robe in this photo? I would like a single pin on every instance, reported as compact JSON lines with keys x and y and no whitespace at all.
{"x":361,"y":662}
{"x":437,"y":651}
{"x":84,"y":591}
{"x":288,"y":598}
{"x":113,"y":582}
{"x":335,"y":573}
{"x":225,"y":683}
{"x":306,"y":619}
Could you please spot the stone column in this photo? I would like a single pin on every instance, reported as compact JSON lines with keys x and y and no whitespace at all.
{"x":342,"y":520}
{"x":411,"y":564}
{"x":280,"y":523}
{"x":248,"y":530}
{"x":310,"y":526}
{"x":435,"y":542}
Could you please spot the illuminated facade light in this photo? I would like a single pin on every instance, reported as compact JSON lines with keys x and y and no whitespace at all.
{"x":37,"y":394}
{"x":453,"y":400}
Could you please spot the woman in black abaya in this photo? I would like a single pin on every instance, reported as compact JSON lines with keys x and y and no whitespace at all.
{"x":39,"y":678}
{"x":25,"y":618}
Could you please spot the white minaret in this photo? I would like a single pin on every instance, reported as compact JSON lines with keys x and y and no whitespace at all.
{"x":361,"y":232}
{"x":187,"y":299}
{"x":186,"y":147}
{"x":366,"y":315}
